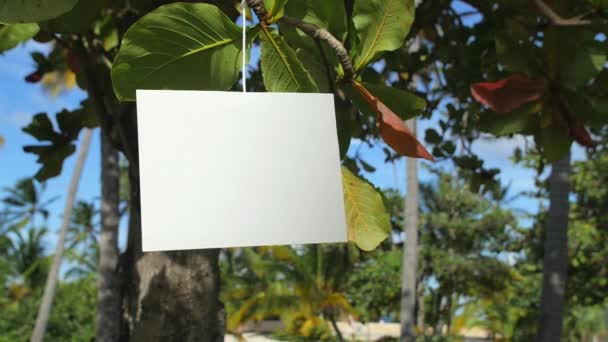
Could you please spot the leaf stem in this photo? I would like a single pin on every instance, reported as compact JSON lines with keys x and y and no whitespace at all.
{"x":556,"y":19}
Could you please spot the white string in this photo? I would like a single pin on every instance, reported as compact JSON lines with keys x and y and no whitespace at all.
{"x":244,"y":69}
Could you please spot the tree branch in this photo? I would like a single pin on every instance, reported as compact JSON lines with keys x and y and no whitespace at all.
{"x":259,"y":9}
{"x":311,"y":30}
{"x":556,"y":19}
{"x":93,"y":89}
{"x":322,"y":34}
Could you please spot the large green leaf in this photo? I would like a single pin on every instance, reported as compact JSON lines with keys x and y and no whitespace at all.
{"x":275,"y":8}
{"x":178,"y":46}
{"x":554,"y":142}
{"x":29,"y":11}
{"x":405,"y":104}
{"x":78,"y":20}
{"x":13,"y":34}
{"x":318,"y":59}
{"x":381,"y":25}
{"x":573,"y":56}
{"x":513,"y":50}
{"x":281,"y":68}
{"x":366,"y":216}
{"x":329,"y":15}
{"x":587,"y":63}
{"x":521,"y":120}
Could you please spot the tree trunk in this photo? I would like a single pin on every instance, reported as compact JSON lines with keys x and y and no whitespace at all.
{"x":555,"y":260}
{"x":420,"y":314}
{"x":108,"y":285}
{"x":410,"y":250}
{"x":50,"y":288}
{"x":334,"y":324}
{"x":167,"y":296}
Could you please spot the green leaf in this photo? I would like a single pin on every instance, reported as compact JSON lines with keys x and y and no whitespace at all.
{"x":591,"y":111}
{"x":78,"y":20}
{"x":12,"y":35}
{"x":366,"y":216}
{"x":573,"y":56}
{"x":330,"y":15}
{"x":587,"y":63}
{"x":554,"y":142}
{"x":405,"y":104}
{"x":521,"y":120}
{"x":71,"y":122}
{"x":281,"y":68}
{"x":275,"y":8}
{"x":381,"y":25}
{"x":513,"y":50}
{"x":344,"y":126}
{"x":41,"y":128}
{"x":432,"y":137}
{"x":51,"y":157}
{"x":29,"y":11}
{"x":179,"y":46}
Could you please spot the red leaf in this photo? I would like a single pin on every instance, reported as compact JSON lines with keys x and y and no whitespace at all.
{"x":392,"y":129}
{"x":581,"y":135}
{"x":510,"y":93}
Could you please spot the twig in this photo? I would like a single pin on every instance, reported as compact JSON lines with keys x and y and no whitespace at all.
{"x":333,"y":42}
{"x":312,"y":30}
{"x":556,"y":19}
{"x":259,"y":9}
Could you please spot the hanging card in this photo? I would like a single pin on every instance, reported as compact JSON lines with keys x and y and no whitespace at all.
{"x":228,"y":169}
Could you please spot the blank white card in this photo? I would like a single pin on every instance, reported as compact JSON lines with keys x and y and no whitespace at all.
{"x":229,"y":169}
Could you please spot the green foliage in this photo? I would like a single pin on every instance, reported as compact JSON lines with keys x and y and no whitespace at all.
{"x":403,"y":103}
{"x":162,"y":50}
{"x":281,"y":68}
{"x":24,"y":267}
{"x":523,"y":119}
{"x":72,"y":318}
{"x":29,"y":11}
{"x":275,"y":8}
{"x":381,"y":25}
{"x":553,"y":141}
{"x":366,"y":217}
{"x":303,"y":286}
{"x":374,"y":287}
{"x":58,"y":144}
{"x":461,"y":236}
{"x":317,"y":58}
{"x":330,"y":15}
{"x":13,"y":35}
{"x":78,"y":20}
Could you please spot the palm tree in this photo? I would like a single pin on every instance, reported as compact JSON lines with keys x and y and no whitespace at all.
{"x":27,"y":255}
{"x":301,"y":285}
{"x":24,"y":202}
{"x":410,"y":250}
{"x":82,"y":239}
{"x":51,"y":284}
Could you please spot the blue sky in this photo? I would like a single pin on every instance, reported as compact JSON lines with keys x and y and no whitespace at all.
{"x":20,"y":100}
